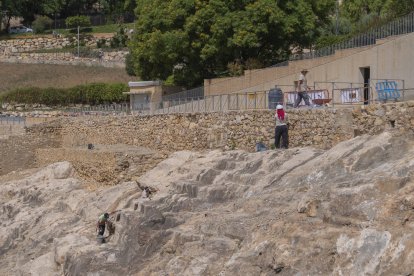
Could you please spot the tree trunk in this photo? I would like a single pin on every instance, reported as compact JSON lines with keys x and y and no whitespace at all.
{"x":8,"y":22}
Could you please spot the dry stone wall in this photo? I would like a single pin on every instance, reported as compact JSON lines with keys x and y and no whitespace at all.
{"x":375,"y":119}
{"x":110,"y":59}
{"x":234,"y":130}
{"x":22,"y":51}
{"x":33,"y":44}
{"x":321,"y":128}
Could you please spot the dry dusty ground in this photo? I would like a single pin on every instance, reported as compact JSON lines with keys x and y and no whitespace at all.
{"x":46,"y":75}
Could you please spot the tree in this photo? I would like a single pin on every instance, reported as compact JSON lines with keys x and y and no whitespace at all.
{"x":10,"y":8}
{"x":29,"y":9}
{"x":357,"y":10}
{"x":189,"y":40}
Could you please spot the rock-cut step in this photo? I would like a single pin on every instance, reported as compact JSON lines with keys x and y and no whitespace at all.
{"x":188,"y":188}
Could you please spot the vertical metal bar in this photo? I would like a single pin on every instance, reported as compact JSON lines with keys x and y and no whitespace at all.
{"x":403,"y":84}
{"x":255,"y":100}
{"x":221,"y":96}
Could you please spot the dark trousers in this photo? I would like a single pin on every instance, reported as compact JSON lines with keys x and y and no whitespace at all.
{"x":281,"y":132}
{"x":101,"y":230}
{"x":304,"y":96}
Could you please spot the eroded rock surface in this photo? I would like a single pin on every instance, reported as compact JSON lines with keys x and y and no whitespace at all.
{"x":345,"y":211}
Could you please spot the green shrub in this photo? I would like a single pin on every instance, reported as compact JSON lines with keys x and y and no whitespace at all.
{"x":170,"y":81}
{"x":120,"y":39}
{"x":42,"y":23}
{"x":75,"y":21}
{"x":94,"y":93}
{"x":101,"y":43}
{"x":129,"y":65}
{"x":327,"y":41}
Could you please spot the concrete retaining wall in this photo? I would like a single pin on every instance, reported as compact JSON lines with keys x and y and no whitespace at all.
{"x":388,"y":59}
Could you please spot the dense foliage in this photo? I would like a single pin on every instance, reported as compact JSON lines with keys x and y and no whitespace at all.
{"x":95,"y":93}
{"x":75,"y":21}
{"x":357,"y":10}
{"x":185,"y":41}
{"x":42,"y":23}
{"x":29,"y":9}
{"x":193,"y":39}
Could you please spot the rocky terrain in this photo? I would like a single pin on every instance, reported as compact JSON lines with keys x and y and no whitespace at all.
{"x":303,"y":211}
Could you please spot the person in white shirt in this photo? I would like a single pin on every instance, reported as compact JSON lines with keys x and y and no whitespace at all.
{"x":303,"y":88}
{"x":281,"y":130}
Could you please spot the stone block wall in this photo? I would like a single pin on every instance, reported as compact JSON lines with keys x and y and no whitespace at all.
{"x":322,"y":128}
{"x":375,"y":119}
{"x":110,"y":59}
{"x":33,"y":44}
{"x":234,"y":130}
{"x":22,"y":51}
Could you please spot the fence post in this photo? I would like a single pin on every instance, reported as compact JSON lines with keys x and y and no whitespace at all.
{"x":255,"y":100}
{"x":220,"y":101}
{"x":403,"y":84}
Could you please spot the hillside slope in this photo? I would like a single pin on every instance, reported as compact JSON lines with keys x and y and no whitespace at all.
{"x":45,"y":75}
{"x":345,"y":211}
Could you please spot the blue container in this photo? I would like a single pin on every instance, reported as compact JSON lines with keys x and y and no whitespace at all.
{"x":260,"y":147}
{"x":275,"y":97}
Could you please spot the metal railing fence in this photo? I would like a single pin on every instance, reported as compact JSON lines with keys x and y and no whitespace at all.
{"x":407,"y":94}
{"x":216,"y":103}
{"x":184,"y":96}
{"x":12,"y":120}
{"x":399,"y":26}
{"x":103,"y":109}
{"x":352,"y":96}
{"x":340,"y":94}
{"x":317,"y":97}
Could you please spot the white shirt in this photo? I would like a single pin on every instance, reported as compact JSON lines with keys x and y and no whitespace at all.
{"x":304,"y":85}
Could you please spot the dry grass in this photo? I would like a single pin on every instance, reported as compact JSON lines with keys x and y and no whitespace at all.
{"x":43,"y":75}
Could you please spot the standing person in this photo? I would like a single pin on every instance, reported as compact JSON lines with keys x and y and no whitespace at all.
{"x":102,"y":222}
{"x":281,"y":130}
{"x":100,"y":55}
{"x":303,"y":88}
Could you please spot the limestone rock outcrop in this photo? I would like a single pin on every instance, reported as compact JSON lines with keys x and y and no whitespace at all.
{"x":302,"y":211}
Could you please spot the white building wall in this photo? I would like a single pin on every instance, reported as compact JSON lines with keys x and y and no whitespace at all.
{"x":390,"y":58}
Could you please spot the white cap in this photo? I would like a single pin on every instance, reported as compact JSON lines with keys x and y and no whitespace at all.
{"x":279,"y":106}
